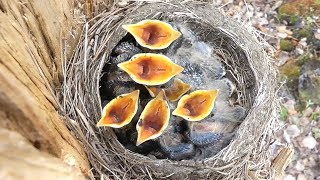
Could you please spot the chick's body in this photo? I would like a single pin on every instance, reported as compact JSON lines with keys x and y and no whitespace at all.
{"x":197,"y":58}
{"x":116,"y":81}
{"x":173,"y":143}
{"x":214,"y":132}
{"x":204,"y":70}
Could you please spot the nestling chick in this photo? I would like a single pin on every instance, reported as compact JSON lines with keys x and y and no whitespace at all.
{"x":117,"y":82}
{"x":120,"y":111}
{"x":152,"y":34}
{"x":200,"y":65}
{"x":173,"y":89}
{"x":150,"y":68}
{"x":123,"y":52}
{"x":215,"y":132}
{"x":154,"y":119}
{"x":172,"y":142}
{"x":224,"y":111}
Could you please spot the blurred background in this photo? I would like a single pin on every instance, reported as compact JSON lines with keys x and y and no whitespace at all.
{"x":292,"y":27}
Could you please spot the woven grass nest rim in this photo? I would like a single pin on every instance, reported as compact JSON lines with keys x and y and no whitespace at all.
{"x":244,"y":56}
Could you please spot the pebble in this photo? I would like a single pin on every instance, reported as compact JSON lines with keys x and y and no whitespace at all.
{"x":304,"y":121}
{"x":312,"y":160}
{"x":293,"y":131}
{"x":263,"y":21}
{"x":301,"y":177}
{"x":282,"y":58}
{"x":294,"y":119}
{"x":276,"y":5}
{"x":290,"y":106}
{"x":299,"y":51}
{"x":303,"y":42}
{"x":309,"y":142}
{"x":299,"y":166}
{"x":317,"y":34}
{"x":289,"y":177}
{"x":283,"y":29}
{"x":286,"y":137}
{"x":282,"y":35}
{"x":259,"y":14}
{"x":308,"y":112}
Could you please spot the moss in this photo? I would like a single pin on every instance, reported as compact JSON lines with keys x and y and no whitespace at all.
{"x":315,"y":44}
{"x":315,"y":132}
{"x":287,"y":9}
{"x":307,"y":95}
{"x":287,"y":13}
{"x":291,"y":19}
{"x":314,"y":116}
{"x":292,"y":10}
{"x":294,"y":19}
{"x":284,"y":113}
{"x":302,"y":33}
{"x":290,"y":70}
{"x":286,"y":45}
{"x":301,"y":60}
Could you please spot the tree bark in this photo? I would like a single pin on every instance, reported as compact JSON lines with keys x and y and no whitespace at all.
{"x":33,"y":36}
{"x":20,"y":160}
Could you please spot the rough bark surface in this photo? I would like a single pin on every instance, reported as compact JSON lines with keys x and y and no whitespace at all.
{"x":33,"y":35}
{"x":20,"y":160}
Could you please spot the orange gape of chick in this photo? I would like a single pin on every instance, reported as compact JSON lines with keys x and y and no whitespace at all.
{"x":120,"y":111}
{"x":153,"y":34}
{"x":154,"y":119}
{"x":150,"y":68}
{"x":196,"y":105}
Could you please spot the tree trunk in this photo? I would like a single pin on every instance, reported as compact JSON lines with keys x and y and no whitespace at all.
{"x":33,"y":38}
{"x":20,"y":160}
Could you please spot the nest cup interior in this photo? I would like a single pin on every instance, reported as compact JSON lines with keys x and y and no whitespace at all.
{"x":81,"y":97}
{"x":228,"y":52}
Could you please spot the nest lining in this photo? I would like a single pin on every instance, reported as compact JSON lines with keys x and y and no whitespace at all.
{"x":247,"y":64}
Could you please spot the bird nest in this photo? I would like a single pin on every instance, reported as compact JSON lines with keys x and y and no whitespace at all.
{"x":247,"y":65}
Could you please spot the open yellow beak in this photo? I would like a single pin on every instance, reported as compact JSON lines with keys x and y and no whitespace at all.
{"x":150,"y":69}
{"x":154,"y":119}
{"x":173,"y":92}
{"x":120,"y":111}
{"x":196,"y":105}
{"x":153,"y":34}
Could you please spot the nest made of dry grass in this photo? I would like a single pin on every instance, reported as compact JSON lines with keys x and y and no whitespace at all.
{"x":247,"y":64}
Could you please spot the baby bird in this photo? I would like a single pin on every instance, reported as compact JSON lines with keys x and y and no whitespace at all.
{"x":215,"y":132}
{"x":210,"y":136}
{"x":154,"y":119}
{"x":150,"y":68}
{"x":224,"y":111}
{"x":200,"y":66}
{"x":173,"y":89}
{"x":117,"y":82}
{"x":123,"y":52}
{"x":152,"y":34}
{"x":120,"y":111}
{"x":172,"y":142}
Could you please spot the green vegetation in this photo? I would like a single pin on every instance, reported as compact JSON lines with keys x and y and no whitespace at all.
{"x":284,"y":113}
{"x":286,"y":45}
